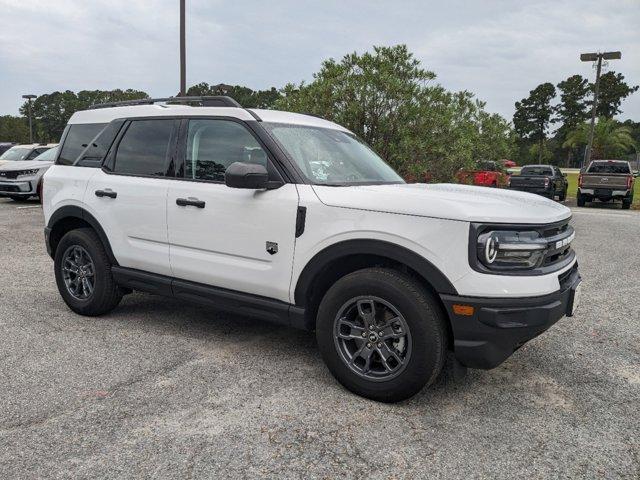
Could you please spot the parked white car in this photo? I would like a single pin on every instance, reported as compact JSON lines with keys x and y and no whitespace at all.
{"x":228,"y":207}
{"x":25,"y":152}
{"x":22,"y":179}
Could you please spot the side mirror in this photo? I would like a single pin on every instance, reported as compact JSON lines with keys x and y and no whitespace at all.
{"x":248,"y":175}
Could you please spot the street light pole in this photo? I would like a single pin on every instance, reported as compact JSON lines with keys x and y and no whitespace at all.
{"x":183,"y":62}
{"x":28,"y":98}
{"x":595,"y":57}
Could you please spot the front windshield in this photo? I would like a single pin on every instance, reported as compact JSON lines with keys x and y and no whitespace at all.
{"x":48,"y":156}
{"x":332,"y":157}
{"x":15,"y":153}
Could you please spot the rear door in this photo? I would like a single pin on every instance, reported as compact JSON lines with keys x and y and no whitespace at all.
{"x":237,"y":239}
{"x":128,"y":195}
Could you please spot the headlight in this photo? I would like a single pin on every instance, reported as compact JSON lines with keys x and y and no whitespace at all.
{"x":509,"y":250}
{"x":33,"y":171}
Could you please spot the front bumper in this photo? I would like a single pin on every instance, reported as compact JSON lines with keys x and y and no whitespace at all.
{"x":17,"y":188}
{"x":499,"y":326}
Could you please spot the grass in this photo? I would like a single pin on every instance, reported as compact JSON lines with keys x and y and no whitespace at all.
{"x":572,"y":178}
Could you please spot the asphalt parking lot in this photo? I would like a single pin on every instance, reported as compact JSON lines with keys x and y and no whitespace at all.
{"x":164,"y":389}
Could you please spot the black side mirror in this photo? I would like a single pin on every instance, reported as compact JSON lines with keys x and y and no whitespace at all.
{"x":248,"y":175}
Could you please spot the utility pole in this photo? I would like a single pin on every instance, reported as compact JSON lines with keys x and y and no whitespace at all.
{"x":183,"y":60}
{"x":29,"y":98}
{"x":596,"y":57}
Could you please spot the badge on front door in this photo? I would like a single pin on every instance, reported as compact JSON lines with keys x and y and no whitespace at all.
{"x":272,"y":248}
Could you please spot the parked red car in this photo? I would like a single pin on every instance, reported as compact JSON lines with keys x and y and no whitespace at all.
{"x":487,"y":174}
{"x":508,"y":163}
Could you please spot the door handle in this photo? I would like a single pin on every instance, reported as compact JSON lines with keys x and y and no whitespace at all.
{"x":191,"y":201}
{"x":106,"y":193}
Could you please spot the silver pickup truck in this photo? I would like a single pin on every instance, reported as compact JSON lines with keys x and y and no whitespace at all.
{"x":606,"y":180}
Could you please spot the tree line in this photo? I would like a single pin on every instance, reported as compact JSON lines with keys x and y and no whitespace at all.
{"x":387,"y":98}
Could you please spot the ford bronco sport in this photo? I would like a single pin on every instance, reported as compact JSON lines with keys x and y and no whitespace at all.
{"x":291,"y":218}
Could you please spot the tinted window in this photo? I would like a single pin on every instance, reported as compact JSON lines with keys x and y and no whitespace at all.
{"x":609,"y":167}
{"x":78,"y":138}
{"x":536,"y":170}
{"x":144,"y":147}
{"x":213,"y":145}
{"x":96,"y":150}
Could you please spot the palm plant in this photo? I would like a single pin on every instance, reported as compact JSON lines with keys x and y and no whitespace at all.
{"x":610,"y":139}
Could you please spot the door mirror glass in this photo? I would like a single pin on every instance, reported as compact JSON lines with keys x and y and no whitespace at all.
{"x":246,"y":175}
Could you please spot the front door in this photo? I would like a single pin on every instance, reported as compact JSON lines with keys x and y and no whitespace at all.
{"x":237,"y":239}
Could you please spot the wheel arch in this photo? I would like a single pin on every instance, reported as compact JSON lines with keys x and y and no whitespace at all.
{"x":342,"y":258}
{"x":71,"y":217}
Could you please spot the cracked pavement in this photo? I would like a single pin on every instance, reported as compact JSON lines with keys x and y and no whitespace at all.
{"x":163,"y":389}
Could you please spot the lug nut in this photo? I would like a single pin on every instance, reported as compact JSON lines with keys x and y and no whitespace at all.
{"x":380,"y":333}
{"x":379,"y":345}
{"x":368,"y":345}
{"x":372,"y":327}
{"x":364,"y":334}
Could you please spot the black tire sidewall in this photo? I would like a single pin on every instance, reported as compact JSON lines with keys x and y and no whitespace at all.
{"x":424,"y":319}
{"x":88,"y":240}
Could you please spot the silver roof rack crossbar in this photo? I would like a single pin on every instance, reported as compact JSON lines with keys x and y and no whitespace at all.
{"x":207,"y":101}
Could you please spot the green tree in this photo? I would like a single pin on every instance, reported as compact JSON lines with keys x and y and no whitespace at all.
{"x":610,"y":138}
{"x":574,"y":104}
{"x":52,"y":111}
{"x":14,"y":129}
{"x":534,"y":115}
{"x":613,"y":90}
{"x":245,"y":96}
{"x":387,"y":99}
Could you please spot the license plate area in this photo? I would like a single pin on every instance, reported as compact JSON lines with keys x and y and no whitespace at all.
{"x":605,"y":192}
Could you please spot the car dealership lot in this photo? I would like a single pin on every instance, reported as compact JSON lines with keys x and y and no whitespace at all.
{"x":166,"y":389}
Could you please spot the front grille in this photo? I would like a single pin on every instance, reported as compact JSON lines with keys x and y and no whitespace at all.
{"x":555,"y":236}
{"x":9,"y":175}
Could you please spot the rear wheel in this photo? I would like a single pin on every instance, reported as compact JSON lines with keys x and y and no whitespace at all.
{"x":563,"y":195}
{"x":580,"y":199}
{"x":83,"y":274}
{"x":626,"y":204}
{"x":381,"y":334}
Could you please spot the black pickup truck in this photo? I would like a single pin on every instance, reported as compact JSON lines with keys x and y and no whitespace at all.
{"x":545,"y":180}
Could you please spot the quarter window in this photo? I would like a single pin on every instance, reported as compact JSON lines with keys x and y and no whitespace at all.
{"x":76,"y":140}
{"x":213,"y":145}
{"x":144,"y":148}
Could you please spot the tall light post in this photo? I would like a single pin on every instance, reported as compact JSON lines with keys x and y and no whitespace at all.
{"x":29,"y":98}
{"x":596,"y":57}
{"x":183,"y":61}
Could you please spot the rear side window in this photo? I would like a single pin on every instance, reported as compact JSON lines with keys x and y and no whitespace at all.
{"x":609,"y":167}
{"x":96,"y":150}
{"x":536,"y":171}
{"x":77,"y":139}
{"x":144,"y":148}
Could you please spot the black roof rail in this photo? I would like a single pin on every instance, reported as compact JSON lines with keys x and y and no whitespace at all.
{"x":206,"y":101}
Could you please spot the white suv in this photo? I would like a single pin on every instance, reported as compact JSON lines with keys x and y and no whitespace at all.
{"x":293,"y":219}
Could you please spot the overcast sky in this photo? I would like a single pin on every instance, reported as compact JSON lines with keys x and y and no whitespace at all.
{"x":497,"y":49}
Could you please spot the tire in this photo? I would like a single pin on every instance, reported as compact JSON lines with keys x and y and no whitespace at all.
{"x":563,"y":195}
{"x":19,"y":199}
{"x":626,"y":204}
{"x":105,"y":295}
{"x":580,"y":199}
{"x":422,"y":351}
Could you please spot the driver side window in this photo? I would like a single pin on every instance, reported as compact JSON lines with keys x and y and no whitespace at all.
{"x":213,"y":145}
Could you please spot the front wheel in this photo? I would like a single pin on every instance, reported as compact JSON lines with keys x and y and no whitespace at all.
{"x":83,"y":274}
{"x":381,"y":334}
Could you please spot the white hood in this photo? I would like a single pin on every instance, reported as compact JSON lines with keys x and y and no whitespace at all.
{"x":449,"y":201}
{"x":23,"y":165}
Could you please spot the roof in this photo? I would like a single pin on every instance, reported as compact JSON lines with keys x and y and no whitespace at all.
{"x":105,"y":115}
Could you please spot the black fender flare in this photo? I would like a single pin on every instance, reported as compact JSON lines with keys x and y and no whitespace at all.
{"x":380,"y":248}
{"x":72,"y":211}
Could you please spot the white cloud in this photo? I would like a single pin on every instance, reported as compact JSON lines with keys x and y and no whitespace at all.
{"x":497,"y":49}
